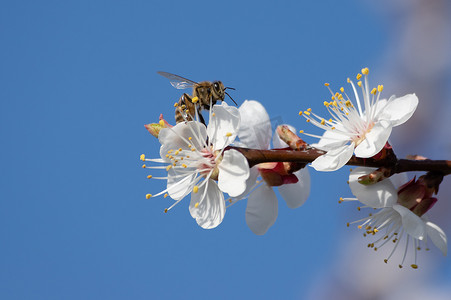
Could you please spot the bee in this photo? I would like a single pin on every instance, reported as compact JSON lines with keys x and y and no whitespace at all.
{"x":205,"y":94}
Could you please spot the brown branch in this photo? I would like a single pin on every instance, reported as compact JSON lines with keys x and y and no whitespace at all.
{"x":255,"y":156}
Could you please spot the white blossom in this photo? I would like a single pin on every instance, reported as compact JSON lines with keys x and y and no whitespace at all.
{"x":262,"y":206}
{"x":400,"y":216}
{"x":362,"y":130}
{"x":196,"y":159}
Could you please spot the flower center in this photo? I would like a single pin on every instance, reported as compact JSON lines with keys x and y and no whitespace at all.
{"x":210,"y":162}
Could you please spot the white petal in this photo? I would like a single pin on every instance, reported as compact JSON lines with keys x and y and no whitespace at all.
{"x":411,"y":223}
{"x":226,"y":120}
{"x":399,"y":179}
{"x":261,"y":210}
{"x":334,"y":159}
{"x":399,"y":110}
{"x":255,"y":129}
{"x":233,"y":172}
{"x":211,"y":209}
{"x":251,"y":183}
{"x":179,"y":187}
{"x":374,"y":140}
{"x":437,"y":236}
{"x":296,"y":194}
{"x":331,"y":140}
{"x":177,"y":137}
{"x":378,"y":195}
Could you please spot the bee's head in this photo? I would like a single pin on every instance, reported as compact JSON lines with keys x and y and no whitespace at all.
{"x":218,"y":91}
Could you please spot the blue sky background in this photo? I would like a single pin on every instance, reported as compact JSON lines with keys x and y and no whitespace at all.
{"x":77,"y":83}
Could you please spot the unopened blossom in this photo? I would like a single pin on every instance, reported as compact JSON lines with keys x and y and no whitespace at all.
{"x":196,"y":163}
{"x":400,"y":219}
{"x":262,"y":205}
{"x":361,"y":125}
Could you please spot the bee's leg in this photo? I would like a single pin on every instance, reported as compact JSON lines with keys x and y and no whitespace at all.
{"x":186,"y":99}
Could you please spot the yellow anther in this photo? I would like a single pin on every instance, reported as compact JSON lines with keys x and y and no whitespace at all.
{"x":301,"y":131}
{"x":196,"y":205}
{"x":167,"y":155}
{"x":347,"y":224}
{"x":144,"y":166}
{"x":307,"y":113}
{"x":142,"y":157}
{"x":380,"y":88}
{"x":148,"y":196}
{"x":165,"y":195}
{"x":333,"y":97}
{"x":168,"y":167}
{"x":323,"y":122}
{"x":358,"y":76}
{"x":180,"y":149}
{"x":330,"y":120}
{"x":300,"y":113}
{"x":170,"y":151}
{"x":183,"y":106}
{"x":326,"y":104}
{"x":161,"y":123}
{"x":400,"y":266}
{"x":213,"y":114}
{"x":335,"y":103}
{"x":385,"y":260}
{"x":308,"y":121}
{"x":190,"y":138}
{"x":375,"y":230}
{"x":374,"y":91}
{"x":348,"y":103}
{"x":359,"y":227}
{"x":189,"y":145}
{"x":326,"y":84}
{"x":342,"y":89}
{"x":332,"y":128}
{"x":195,"y":189}
{"x":194,"y":99}
{"x":340,"y":97}
{"x":348,"y":80}
{"x":176,"y":104}
{"x":230,"y":200}
{"x":165,"y":210}
{"x":183,"y":165}
{"x":228,"y":134}
{"x":176,"y":152}
{"x":414,"y":266}
{"x":359,"y":83}
{"x":149,"y":176}
{"x":358,"y":208}
{"x":309,"y":109}
{"x":365,"y":71}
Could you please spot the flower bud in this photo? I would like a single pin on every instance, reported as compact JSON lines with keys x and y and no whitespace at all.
{"x":290,"y":138}
{"x":154,"y":128}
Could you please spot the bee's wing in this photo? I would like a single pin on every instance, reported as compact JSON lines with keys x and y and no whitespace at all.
{"x":178,"y":81}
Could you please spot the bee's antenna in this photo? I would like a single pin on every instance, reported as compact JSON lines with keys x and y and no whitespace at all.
{"x":230,"y":88}
{"x":231,"y":98}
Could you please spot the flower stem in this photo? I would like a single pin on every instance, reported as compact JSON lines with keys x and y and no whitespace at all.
{"x":256,"y":156}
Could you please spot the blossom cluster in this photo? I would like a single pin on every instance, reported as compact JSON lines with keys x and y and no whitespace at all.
{"x":204,"y":161}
